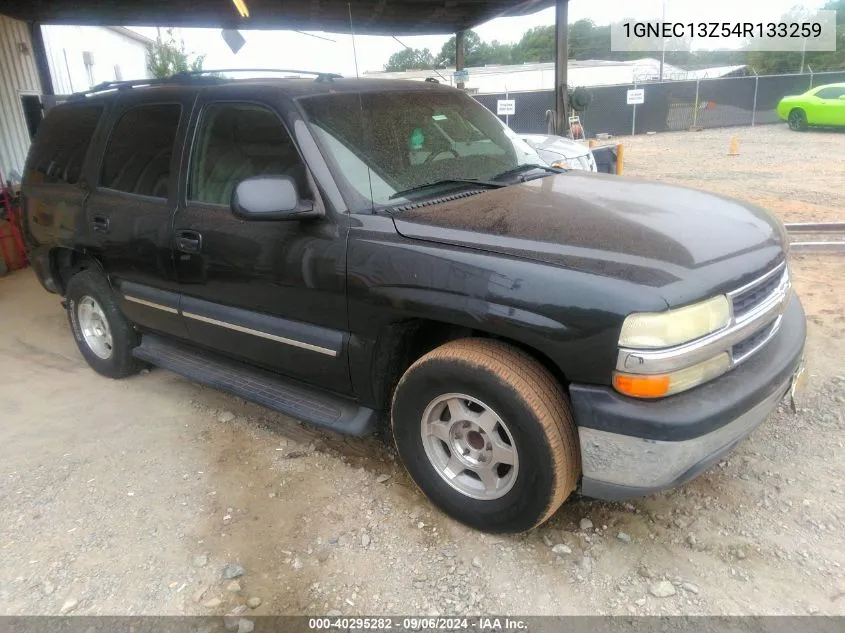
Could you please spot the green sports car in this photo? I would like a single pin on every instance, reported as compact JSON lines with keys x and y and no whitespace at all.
{"x":823,"y":105}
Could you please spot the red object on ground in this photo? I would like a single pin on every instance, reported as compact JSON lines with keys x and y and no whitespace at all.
{"x":14,"y":254}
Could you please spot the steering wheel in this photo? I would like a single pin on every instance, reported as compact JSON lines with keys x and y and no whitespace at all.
{"x":437,"y":153}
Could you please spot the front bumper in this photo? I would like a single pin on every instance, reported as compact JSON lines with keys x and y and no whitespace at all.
{"x":631,"y":448}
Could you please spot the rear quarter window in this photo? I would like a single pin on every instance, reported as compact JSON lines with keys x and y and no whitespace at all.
{"x":60,"y":146}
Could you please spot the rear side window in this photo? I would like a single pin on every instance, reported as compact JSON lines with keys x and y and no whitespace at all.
{"x":61,"y":144}
{"x":138,"y":154}
{"x":830,"y":93}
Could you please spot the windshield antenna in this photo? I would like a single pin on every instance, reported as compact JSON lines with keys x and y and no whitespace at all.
{"x":352,"y":32}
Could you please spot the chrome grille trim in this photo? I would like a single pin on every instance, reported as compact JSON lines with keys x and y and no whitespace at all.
{"x":762,"y":315}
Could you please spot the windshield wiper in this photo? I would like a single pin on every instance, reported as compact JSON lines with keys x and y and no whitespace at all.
{"x":516,"y":171}
{"x":448,"y":181}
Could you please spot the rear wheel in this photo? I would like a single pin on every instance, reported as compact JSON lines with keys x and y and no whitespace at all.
{"x":487,"y":434}
{"x":798,"y":120}
{"x":103,"y":335}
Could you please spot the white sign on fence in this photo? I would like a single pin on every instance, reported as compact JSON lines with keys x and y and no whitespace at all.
{"x":636,"y":96}
{"x":505,"y":107}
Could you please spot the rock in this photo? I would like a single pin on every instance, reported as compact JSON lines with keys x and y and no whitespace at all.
{"x":688,"y":586}
{"x":561,"y":550}
{"x":254,"y":602}
{"x":547,"y":541}
{"x":585,"y":565}
{"x":234,"y":587}
{"x":624,"y":537}
{"x":692,"y":541}
{"x":334,"y":613}
{"x":231,"y":571}
{"x":213,"y":603}
{"x":48,"y":588}
{"x":420,"y":525}
{"x":640,"y":602}
{"x":297,"y":564}
{"x":662,"y":589}
{"x":232,"y":619}
{"x":245,"y":626}
{"x":69,"y":605}
{"x":645,"y":572}
{"x":382,"y":478}
{"x":740,"y":554}
{"x":586,"y":524}
{"x":199,"y":593}
{"x":365,"y":540}
{"x":226,"y":416}
{"x":201,"y":560}
{"x":476,"y":562}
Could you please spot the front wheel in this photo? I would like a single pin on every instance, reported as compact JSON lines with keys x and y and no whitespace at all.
{"x":798,"y":120}
{"x":487,"y":434}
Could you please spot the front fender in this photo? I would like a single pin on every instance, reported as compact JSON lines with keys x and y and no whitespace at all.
{"x":570,"y":317}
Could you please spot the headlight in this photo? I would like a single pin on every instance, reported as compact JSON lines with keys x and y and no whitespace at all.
{"x":650,"y":330}
{"x":571,"y":163}
{"x":642,"y":386}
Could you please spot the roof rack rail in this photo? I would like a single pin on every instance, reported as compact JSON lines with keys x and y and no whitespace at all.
{"x":195,"y":74}
{"x":320,"y":76}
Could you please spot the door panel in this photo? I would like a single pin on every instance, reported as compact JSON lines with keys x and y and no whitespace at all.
{"x":130,"y":211}
{"x":268,"y":292}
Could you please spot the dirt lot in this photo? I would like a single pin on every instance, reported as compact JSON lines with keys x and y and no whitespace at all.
{"x":130,"y":497}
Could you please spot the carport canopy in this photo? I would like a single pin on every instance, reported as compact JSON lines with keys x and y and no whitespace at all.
{"x":369,"y":17}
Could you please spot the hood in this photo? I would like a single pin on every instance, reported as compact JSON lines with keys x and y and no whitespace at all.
{"x":686,"y":243}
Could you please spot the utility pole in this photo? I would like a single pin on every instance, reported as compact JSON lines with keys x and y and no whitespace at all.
{"x":459,"y":55}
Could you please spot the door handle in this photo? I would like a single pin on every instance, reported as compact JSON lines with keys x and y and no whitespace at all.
{"x":189,"y":241}
{"x":100,"y":223}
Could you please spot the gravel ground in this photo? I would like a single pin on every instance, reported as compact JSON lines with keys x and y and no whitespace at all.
{"x":154,"y":495}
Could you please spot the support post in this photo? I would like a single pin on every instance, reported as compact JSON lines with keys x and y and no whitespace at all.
{"x":459,"y":54}
{"x":695,"y":109}
{"x":754,"y":107}
{"x":561,"y":67}
{"x":39,"y":54}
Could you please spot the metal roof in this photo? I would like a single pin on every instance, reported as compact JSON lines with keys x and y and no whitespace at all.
{"x":371,"y":17}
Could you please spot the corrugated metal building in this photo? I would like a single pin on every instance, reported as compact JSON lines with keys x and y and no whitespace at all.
{"x":18,"y":80}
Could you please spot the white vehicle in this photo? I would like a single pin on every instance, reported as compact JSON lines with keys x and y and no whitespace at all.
{"x":560,"y":151}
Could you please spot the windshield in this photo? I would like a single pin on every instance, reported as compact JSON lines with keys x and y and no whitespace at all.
{"x":390,"y":146}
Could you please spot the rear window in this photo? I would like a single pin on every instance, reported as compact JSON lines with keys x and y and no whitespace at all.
{"x":139,"y":151}
{"x":61,"y":143}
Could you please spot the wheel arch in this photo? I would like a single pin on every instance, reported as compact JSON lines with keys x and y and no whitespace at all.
{"x":65,"y":262}
{"x":401,"y":343}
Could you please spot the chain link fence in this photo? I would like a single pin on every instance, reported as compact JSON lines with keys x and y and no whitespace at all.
{"x":669,"y":106}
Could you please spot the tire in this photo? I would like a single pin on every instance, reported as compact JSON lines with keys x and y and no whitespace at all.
{"x":798,"y":120}
{"x":88,"y":293}
{"x":512,"y":404}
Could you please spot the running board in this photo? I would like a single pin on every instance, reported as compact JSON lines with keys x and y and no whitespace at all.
{"x":259,"y":386}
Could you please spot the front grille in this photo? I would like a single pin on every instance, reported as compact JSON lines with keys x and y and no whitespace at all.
{"x":750,"y":343}
{"x":747,"y":300}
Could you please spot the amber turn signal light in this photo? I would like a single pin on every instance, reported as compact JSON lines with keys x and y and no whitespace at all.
{"x":642,"y":386}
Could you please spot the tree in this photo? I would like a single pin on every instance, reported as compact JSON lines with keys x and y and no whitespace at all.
{"x":475,"y":51}
{"x":410,"y":59}
{"x":166,"y":56}
{"x":536,"y":45}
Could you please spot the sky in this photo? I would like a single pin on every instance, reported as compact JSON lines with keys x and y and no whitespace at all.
{"x":286,"y":49}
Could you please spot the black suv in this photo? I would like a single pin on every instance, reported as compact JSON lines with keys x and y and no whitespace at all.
{"x":352,"y":250}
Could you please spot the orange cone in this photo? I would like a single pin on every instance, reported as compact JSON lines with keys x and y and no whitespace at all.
{"x":734,"y":151}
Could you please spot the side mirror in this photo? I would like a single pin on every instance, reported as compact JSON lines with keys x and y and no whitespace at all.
{"x":270,"y":198}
